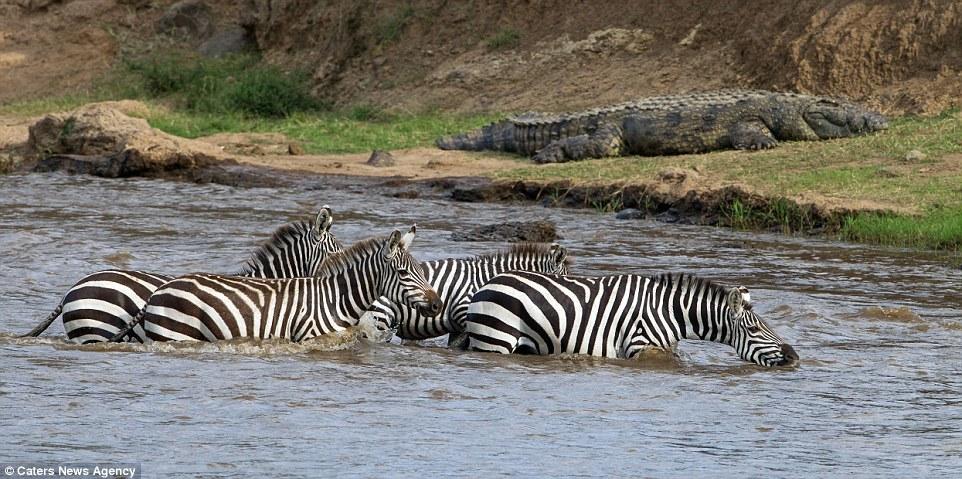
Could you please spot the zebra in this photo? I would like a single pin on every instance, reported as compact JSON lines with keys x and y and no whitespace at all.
{"x":102,"y":303}
{"x":455,"y":280}
{"x":206,"y":307}
{"x":616,"y":316}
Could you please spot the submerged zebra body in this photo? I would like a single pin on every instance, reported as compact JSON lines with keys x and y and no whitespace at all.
{"x":204,"y":307}
{"x":105,"y":302}
{"x":456,"y":279}
{"x":616,"y":316}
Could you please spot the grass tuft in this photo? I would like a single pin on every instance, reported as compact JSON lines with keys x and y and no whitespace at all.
{"x":389,"y":29}
{"x":505,"y":39}
{"x":939,"y":229}
{"x":232,"y":84}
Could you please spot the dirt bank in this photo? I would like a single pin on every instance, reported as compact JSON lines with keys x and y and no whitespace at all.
{"x":101,"y":139}
{"x":500,"y":56}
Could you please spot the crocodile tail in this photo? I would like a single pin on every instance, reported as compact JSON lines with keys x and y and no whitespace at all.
{"x":496,"y":136}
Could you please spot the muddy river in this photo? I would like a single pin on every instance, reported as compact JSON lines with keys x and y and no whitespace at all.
{"x":879,"y":331}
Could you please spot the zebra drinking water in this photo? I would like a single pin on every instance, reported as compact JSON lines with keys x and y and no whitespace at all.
{"x":616,"y":316}
{"x":205,"y":307}
{"x":456,"y":279}
{"x":103,"y":303}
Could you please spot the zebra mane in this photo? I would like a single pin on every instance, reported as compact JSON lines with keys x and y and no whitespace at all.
{"x":525,"y":248}
{"x":279,"y":240}
{"x":688,"y":280}
{"x":340,"y":261}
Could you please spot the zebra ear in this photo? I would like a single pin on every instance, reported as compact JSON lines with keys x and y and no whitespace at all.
{"x":735,"y":300}
{"x":558,"y":252}
{"x":325,"y":218}
{"x":409,"y":236}
{"x":739,"y":298}
{"x":393,"y":244}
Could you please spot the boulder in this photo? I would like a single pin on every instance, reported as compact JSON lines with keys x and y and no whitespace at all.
{"x":192,"y":19}
{"x":631,"y":214}
{"x":381,"y":159}
{"x":101,"y":140}
{"x":540,"y":231}
{"x":234,"y":39}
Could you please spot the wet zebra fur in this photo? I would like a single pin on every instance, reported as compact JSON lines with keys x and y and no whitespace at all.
{"x":616,"y":316}
{"x":103,"y":303}
{"x":456,"y":279}
{"x":204,"y":307}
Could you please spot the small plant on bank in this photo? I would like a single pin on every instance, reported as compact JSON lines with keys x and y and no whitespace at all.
{"x":390,"y":28}
{"x":236,"y":83}
{"x":738,"y":215}
{"x":506,"y":38}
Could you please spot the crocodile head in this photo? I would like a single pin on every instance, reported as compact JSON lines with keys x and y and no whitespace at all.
{"x":831,"y":118}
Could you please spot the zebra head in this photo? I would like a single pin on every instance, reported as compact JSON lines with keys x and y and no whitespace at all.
{"x":751,"y":337}
{"x":324,"y":243}
{"x":402,"y":279}
{"x":559,"y":260}
{"x":296,"y":249}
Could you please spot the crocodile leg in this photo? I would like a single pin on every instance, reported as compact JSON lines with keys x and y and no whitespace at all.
{"x":752,"y":135}
{"x":605,"y":141}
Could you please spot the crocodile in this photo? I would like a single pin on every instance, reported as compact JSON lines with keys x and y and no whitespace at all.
{"x":674,"y":124}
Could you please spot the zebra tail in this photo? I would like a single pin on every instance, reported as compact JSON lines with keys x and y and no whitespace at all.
{"x":45,"y":323}
{"x":128,"y":331}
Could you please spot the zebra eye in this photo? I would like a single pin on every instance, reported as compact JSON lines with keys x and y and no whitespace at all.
{"x":754,"y":328}
{"x":402,"y":271}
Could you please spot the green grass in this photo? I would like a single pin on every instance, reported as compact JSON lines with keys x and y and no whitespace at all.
{"x":505,"y":39}
{"x":192,"y":97}
{"x":938,"y":229}
{"x":232,"y":84}
{"x":342,"y":131}
{"x":390,"y":28}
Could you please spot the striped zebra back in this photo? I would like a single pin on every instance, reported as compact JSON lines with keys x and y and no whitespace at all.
{"x":103,"y":303}
{"x":616,"y":316}
{"x":456,"y":279}
{"x":211,"y":307}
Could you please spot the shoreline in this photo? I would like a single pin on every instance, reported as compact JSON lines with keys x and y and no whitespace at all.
{"x":725,"y":188}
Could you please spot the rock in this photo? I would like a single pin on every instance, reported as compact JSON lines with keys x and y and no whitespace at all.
{"x":669,"y":216}
{"x":135,"y":3}
{"x":630,"y":214}
{"x":234,"y":39}
{"x":188,"y":18}
{"x":407,"y":194}
{"x":35,"y":5}
{"x":540,"y":231}
{"x":381,"y":159}
{"x":913,"y":156}
{"x":100,"y":140}
{"x":295,"y":149}
{"x":9,"y":163}
{"x":676,"y":175}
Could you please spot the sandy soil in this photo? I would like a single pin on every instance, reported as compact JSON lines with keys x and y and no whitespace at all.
{"x":414,"y":55}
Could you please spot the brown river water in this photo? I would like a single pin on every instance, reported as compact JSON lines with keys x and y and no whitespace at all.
{"x":877,"y":393}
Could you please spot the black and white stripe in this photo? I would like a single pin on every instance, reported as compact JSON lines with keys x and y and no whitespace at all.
{"x":103,"y":303}
{"x":204,"y":307}
{"x":616,"y":316}
{"x":456,"y":279}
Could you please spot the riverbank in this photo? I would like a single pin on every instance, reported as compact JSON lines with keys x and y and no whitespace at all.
{"x":898,"y":188}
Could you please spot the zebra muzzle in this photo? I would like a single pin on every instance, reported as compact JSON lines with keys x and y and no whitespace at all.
{"x":432,"y":306}
{"x":789,"y":356}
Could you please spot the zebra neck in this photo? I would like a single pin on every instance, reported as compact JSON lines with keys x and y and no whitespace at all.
{"x":354,"y":289}
{"x":698,"y":311}
{"x":670,"y":311}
